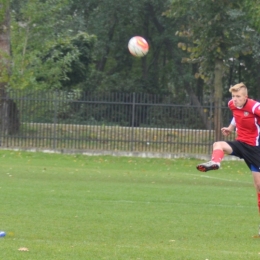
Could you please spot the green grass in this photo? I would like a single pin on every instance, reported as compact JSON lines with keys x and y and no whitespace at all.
{"x":77,"y":207}
{"x":111,"y":138}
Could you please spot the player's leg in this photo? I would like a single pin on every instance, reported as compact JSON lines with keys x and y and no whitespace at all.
{"x":256,"y":177}
{"x":219,"y":149}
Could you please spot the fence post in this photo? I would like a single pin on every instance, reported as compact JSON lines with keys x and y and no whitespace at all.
{"x":210,"y":123}
{"x":133,"y":123}
{"x":55,"y":120}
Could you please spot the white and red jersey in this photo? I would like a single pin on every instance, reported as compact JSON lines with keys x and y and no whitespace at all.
{"x":247,"y":121}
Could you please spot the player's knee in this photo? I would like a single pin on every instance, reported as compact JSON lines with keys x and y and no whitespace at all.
{"x":217,"y":145}
{"x":257,"y":186}
{"x":257,"y":181}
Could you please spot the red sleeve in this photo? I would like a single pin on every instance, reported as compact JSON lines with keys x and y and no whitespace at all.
{"x":256,"y":109}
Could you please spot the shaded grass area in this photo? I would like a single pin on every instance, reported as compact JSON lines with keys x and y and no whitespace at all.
{"x":79,"y":207}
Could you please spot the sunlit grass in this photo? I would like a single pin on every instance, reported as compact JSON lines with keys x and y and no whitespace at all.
{"x":80,"y":207}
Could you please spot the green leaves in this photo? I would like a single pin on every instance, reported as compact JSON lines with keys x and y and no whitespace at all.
{"x":3,"y":7}
{"x":45,"y":49}
{"x":212,"y":29}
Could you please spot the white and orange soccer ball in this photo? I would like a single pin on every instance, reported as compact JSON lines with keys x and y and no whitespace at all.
{"x":138,"y":46}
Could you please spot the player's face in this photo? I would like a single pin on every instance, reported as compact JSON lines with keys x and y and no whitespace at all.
{"x":239,"y":98}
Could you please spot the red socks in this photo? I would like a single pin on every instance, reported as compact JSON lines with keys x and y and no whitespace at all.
{"x":258,"y":201}
{"x":217,"y":156}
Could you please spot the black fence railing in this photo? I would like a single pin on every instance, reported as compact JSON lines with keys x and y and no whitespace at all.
{"x":112,"y":122}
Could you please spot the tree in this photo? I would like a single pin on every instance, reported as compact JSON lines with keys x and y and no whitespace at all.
{"x":114,"y":22}
{"x":8,"y":110}
{"x":4,"y":43}
{"x":73,"y":58}
{"x":46,"y":52}
{"x":40,"y":27}
{"x":216,"y":32}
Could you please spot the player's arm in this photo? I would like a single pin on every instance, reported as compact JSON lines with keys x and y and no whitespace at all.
{"x":256,"y":109}
{"x":228,"y":130}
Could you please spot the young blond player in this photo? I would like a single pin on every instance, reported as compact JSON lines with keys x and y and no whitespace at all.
{"x":246,"y":121}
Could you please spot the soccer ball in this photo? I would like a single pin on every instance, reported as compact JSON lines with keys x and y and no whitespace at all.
{"x":138,"y":46}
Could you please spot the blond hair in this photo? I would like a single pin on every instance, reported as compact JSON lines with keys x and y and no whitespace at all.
{"x":238,"y":87}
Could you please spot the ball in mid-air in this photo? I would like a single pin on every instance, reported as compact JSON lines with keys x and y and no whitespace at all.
{"x":138,"y":46}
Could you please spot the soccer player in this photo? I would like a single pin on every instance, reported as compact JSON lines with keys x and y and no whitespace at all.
{"x":246,"y":121}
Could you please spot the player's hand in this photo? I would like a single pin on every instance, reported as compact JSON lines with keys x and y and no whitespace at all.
{"x":225,"y":131}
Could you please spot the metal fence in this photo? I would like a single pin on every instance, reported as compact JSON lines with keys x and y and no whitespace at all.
{"x":76,"y":121}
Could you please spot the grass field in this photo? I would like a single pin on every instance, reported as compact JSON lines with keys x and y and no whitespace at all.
{"x":77,"y":207}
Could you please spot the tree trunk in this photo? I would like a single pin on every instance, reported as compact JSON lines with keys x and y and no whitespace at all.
{"x":218,"y":95}
{"x":9,"y":119}
{"x":200,"y":109}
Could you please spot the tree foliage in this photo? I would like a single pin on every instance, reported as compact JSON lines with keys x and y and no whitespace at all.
{"x":196,"y":46}
{"x":114,"y":22}
{"x":215,"y":33}
{"x":214,"y":30}
{"x":45,"y":50}
{"x":4,"y":42}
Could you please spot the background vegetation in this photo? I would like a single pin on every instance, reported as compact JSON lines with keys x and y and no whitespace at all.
{"x":198,"y":48}
{"x":77,"y":45}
